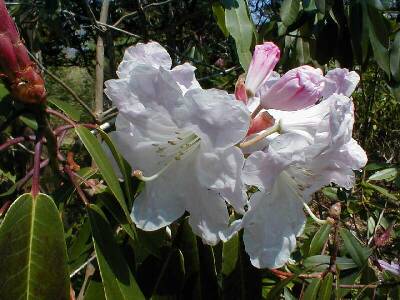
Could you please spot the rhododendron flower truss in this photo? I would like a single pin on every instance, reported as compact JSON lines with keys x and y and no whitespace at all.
{"x":314,"y":148}
{"x":181,"y":140}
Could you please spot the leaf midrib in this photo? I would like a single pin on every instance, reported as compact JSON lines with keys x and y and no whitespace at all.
{"x":34,"y":199}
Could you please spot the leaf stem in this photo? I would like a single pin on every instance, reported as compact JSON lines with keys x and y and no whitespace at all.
{"x":36,"y":169}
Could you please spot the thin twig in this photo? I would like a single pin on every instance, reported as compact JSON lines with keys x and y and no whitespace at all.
{"x":61,"y":116}
{"x":82,"y":266}
{"x":81,"y":194}
{"x":66,"y":87}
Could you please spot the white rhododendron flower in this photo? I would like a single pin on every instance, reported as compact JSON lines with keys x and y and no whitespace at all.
{"x":181,"y":140}
{"x":314,"y":148}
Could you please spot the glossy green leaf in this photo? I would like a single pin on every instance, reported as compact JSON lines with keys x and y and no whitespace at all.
{"x":118,"y":280}
{"x":319,"y":240}
{"x":29,"y":121}
{"x":33,"y":257}
{"x":241,"y":29}
{"x":123,"y":166}
{"x":325,"y":291}
{"x":380,"y":190}
{"x":321,"y":262}
{"x":94,"y":291}
{"x":289,"y":11}
{"x":277,"y":289}
{"x":312,"y":289}
{"x":67,"y":108}
{"x":96,"y":151}
{"x":230,"y":254}
{"x":219,"y":15}
{"x":387,"y":174}
{"x":81,"y":246}
{"x":358,"y":253}
{"x":395,"y":57}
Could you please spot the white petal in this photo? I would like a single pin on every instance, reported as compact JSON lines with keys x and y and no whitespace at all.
{"x":340,"y":81}
{"x":262,"y":168}
{"x":219,"y":121}
{"x":208,"y":214}
{"x":152,"y":54}
{"x":272,"y":224}
{"x":160,"y":203}
{"x":222,"y":172}
{"x":185,"y":77}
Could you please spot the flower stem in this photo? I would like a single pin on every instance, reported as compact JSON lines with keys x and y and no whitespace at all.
{"x":36,"y":169}
{"x":261,"y":136}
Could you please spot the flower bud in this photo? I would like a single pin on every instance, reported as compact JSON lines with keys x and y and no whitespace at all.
{"x":21,"y":75}
{"x":265,"y":57}
{"x":297,"y":89}
{"x":261,"y":122}
{"x":240,"y":90}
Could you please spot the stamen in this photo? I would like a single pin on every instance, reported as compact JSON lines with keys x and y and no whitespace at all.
{"x":312,"y":215}
{"x":261,"y":136}
{"x":187,"y":145}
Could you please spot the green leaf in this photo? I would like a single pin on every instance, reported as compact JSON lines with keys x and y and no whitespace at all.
{"x":94,"y":291}
{"x":380,"y":190}
{"x":378,"y":37}
{"x":118,"y":280}
{"x":289,"y":11}
{"x":3,"y":91}
{"x":67,"y":108}
{"x":123,"y":166}
{"x":319,"y":240}
{"x":325,"y":290}
{"x":219,"y":14}
{"x":33,"y":256}
{"x":358,"y":253}
{"x":388,"y":174}
{"x":312,"y":289}
{"x":230,"y":254}
{"x":395,"y":57}
{"x":241,"y":29}
{"x":81,"y":246}
{"x":277,"y":289}
{"x":29,"y":121}
{"x":321,"y":262}
{"x":320,"y":4}
{"x":102,"y":161}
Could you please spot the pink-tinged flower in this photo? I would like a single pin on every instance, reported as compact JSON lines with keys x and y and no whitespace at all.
{"x":296,"y":163}
{"x":297,"y":89}
{"x":240,"y":90}
{"x":340,"y":81}
{"x":265,"y":57}
{"x":392,"y":267}
{"x":261,"y":122}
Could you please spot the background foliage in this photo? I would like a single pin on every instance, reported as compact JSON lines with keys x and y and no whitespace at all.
{"x":107,"y":257}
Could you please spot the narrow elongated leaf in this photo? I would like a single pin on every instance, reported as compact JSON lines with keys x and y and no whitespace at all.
{"x":325,"y":290}
{"x":289,"y":11}
{"x":387,"y":174}
{"x":358,"y":253}
{"x":118,"y":280}
{"x":123,"y":166}
{"x":33,"y":256}
{"x":240,"y":27}
{"x":102,"y":161}
{"x":380,"y":190}
{"x":312,"y":289}
{"x":230,"y":254}
{"x":395,"y":57}
{"x":321,"y":262}
{"x":219,"y":14}
{"x":319,"y":240}
{"x":67,"y":108}
{"x":277,"y":289}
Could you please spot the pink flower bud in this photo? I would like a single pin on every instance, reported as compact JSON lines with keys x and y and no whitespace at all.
{"x":265,"y":57}
{"x":261,"y":122}
{"x":297,"y":89}
{"x":240,"y":90}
